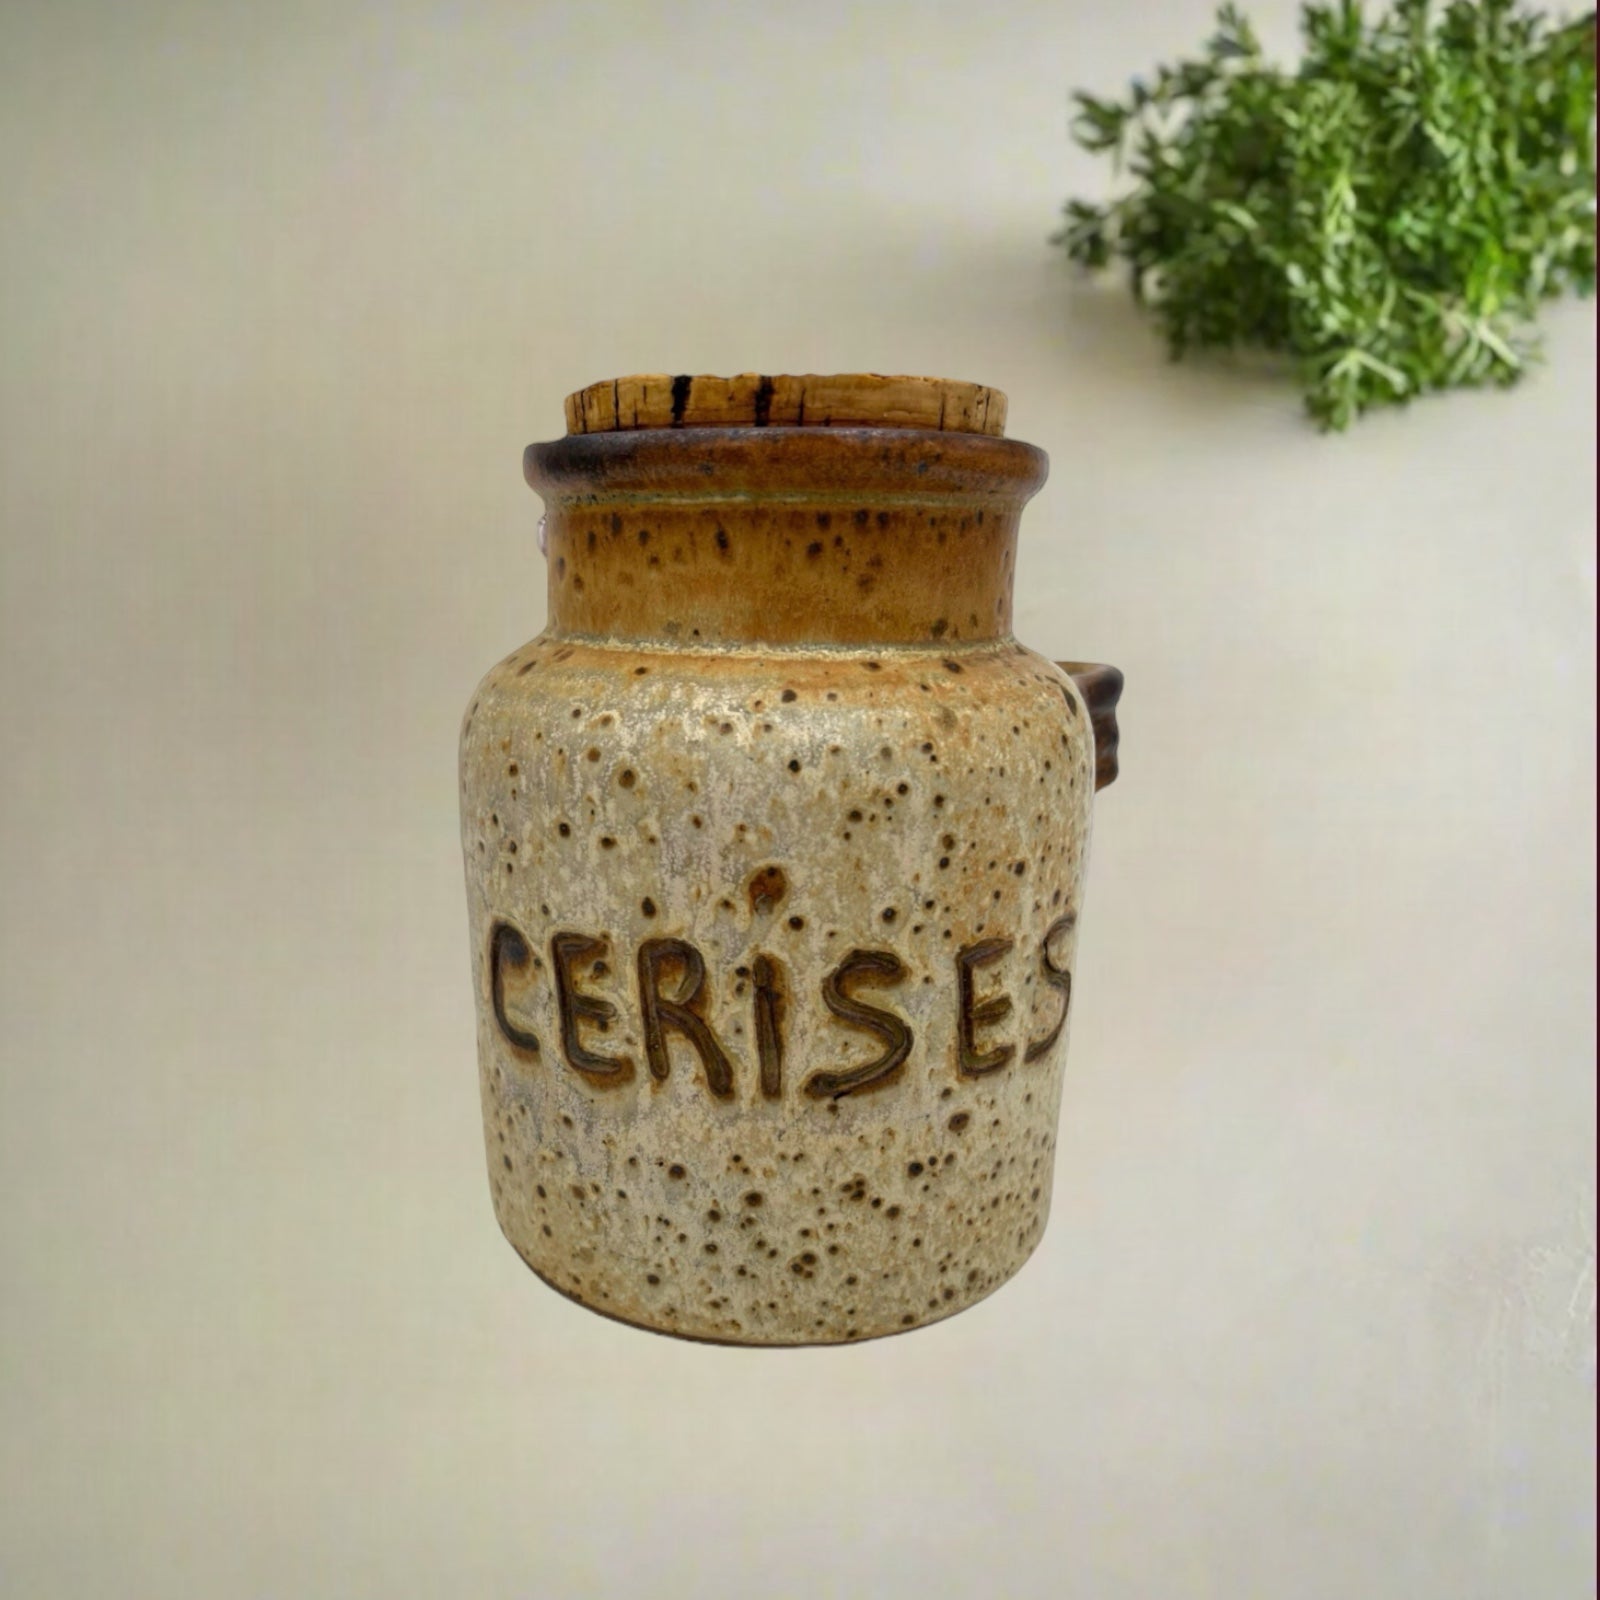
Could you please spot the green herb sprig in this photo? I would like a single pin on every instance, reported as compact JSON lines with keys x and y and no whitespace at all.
{"x":1389,"y":215}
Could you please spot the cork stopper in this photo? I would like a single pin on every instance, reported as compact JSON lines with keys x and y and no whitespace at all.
{"x":755,"y":400}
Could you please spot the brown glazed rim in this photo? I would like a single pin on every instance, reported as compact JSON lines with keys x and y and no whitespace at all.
{"x":810,"y":400}
{"x":815,"y":465}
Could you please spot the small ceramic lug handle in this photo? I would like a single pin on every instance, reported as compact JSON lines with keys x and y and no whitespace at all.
{"x":1101,"y":688}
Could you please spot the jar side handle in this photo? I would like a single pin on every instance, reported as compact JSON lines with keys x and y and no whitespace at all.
{"x":1101,"y":688}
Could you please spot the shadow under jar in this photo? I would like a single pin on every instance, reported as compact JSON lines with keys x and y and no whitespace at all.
{"x":775,"y":844}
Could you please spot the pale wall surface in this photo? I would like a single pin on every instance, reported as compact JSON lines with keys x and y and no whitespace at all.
{"x":284,"y":290}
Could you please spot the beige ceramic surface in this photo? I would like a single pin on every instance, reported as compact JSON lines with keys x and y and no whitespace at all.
{"x":775,"y":845}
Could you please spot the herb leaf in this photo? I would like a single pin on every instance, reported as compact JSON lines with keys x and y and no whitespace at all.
{"x":1389,"y":215}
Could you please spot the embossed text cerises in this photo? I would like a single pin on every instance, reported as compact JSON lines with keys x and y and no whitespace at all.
{"x":672,"y":1000}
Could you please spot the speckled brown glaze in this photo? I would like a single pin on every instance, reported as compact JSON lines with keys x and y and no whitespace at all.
{"x":775,"y":846}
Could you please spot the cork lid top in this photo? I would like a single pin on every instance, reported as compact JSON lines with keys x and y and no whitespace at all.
{"x":756,"y":400}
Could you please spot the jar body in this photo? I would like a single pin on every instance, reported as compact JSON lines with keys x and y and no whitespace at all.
{"x":775,"y":847}
{"x":708,"y":892}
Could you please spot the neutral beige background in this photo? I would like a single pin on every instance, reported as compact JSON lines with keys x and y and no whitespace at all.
{"x":284,"y":290}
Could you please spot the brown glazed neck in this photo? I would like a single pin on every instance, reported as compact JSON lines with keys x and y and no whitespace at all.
{"x":783,"y":536}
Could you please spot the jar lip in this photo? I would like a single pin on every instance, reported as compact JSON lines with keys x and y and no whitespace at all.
{"x":653,"y":400}
{"x":816,"y":465}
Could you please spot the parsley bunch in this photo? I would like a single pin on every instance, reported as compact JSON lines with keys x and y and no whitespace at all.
{"x":1389,"y":215}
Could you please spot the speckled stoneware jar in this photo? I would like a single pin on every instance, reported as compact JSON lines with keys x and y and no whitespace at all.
{"x":775,"y":843}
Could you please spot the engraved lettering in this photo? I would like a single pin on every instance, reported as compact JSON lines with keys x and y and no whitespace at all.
{"x":769,"y":1003}
{"x":507,"y":948}
{"x":971,"y":1061}
{"x":684,"y":1012}
{"x":1058,"y":978}
{"x":566,"y":949}
{"x":677,"y":996}
{"x":880,"y":968}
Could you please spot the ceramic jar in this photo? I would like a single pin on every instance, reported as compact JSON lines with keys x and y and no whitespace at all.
{"x":775,"y":844}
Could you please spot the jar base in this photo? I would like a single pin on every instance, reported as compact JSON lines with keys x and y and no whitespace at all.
{"x":926,"y":1321}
